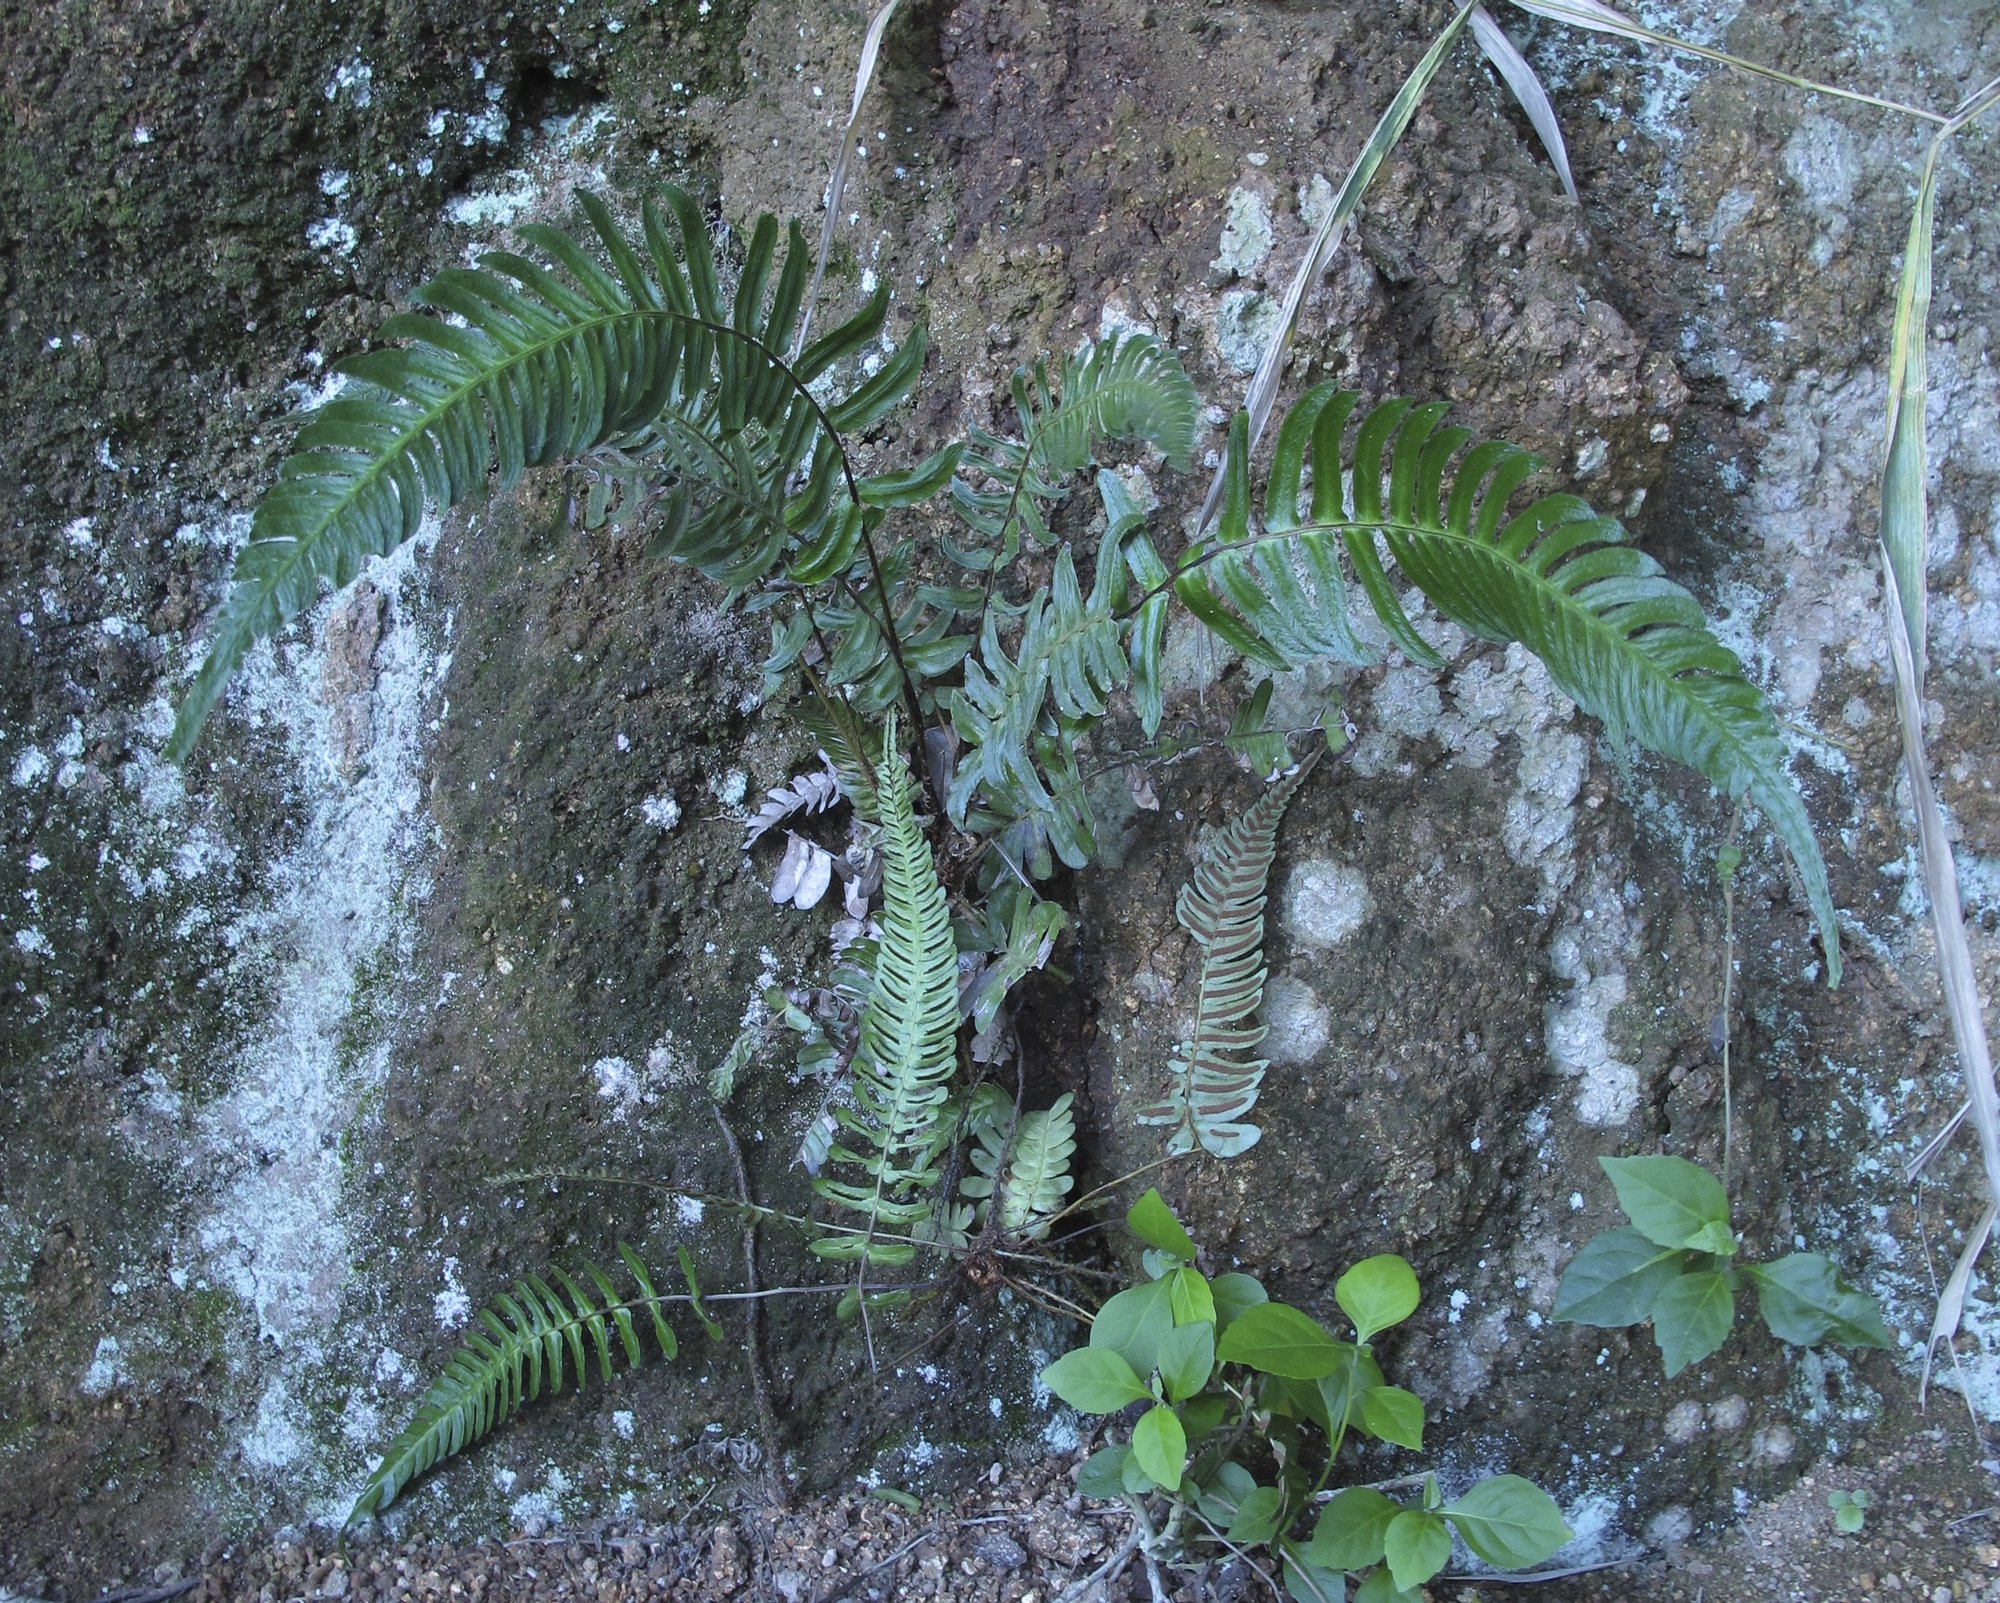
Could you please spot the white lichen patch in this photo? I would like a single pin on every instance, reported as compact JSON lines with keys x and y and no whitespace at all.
{"x":1325,"y":901}
{"x":1246,"y":321}
{"x":1300,"y":1024}
{"x":617,"y":1084}
{"x":107,"y":1369}
{"x":1590,"y":953}
{"x":276,"y":1237}
{"x":1246,"y":233}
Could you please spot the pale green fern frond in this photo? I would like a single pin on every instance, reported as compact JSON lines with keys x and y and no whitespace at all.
{"x":1212,"y":1084}
{"x":1020,"y":716}
{"x":526,"y":1340}
{"x":1035,"y":1161}
{"x":900,"y":1121}
{"x":1128,"y":387}
{"x":542,"y":363}
{"x":1623,"y":641}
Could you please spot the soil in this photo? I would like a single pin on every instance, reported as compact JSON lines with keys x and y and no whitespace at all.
{"x":455,"y":886}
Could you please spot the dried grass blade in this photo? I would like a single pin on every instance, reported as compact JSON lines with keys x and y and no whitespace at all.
{"x":864,"y":75}
{"x":1951,"y":1302}
{"x":1961,"y":990}
{"x":1602,"y":19}
{"x":1263,"y":390}
{"x":1527,"y":89}
{"x":1905,"y":502}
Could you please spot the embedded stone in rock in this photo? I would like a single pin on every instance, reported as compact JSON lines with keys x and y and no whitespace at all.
{"x":1325,"y":902}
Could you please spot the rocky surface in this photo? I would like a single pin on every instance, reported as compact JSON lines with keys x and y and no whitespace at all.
{"x":455,"y":888}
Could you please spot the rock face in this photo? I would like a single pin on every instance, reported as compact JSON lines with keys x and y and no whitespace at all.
{"x":454,"y":886}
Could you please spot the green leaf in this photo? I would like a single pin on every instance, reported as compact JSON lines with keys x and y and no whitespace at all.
{"x":1233,"y":1293}
{"x":536,"y":369}
{"x":1339,"y":1394}
{"x":1691,"y":1318}
{"x":1102,"y":1474}
{"x":1257,"y":1517}
{"x":1153,"y":1222}
{"x":1187,"y":1359}
{"x":1307,"y":1582}
{"x":1378,"y":1586}
{"x":1133,"y":1324}
{"x":1223,"y":1493}
{"x":1159,"y":1445}
{"x":1277,"y":1339}
{"x":1094,"y":1380}
{"x":1509,"y":1522}
{"x":1189,"y":1296}
{"x":1416,"y":1546}
{"x":1133,"y":1477}
{"x":1351,"y":1532}
{"x":522,"y":1343}
{"x":1377,"y":1293}
{"x":1672,"y":1202}
{"x":1390,"y":1414}
{"x":1615,"y":1279}
{"x":1200,"y":1416}
{"x":1805,"y":1300}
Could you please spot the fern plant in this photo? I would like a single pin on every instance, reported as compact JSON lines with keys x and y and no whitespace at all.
{"x":1623,"y":641}
{"x":635,"y":357}
{"x":1022,"y":1166}
{"x":541,"y":366}
{"x":521,"y":1340}
{"x":909,"y":1031}
{"x":1212,"y":1083}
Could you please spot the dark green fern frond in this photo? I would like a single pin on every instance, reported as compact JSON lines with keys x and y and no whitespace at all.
{"x":543,"y":364}
{"x":1624,"y":642}
{"x":524,"y":1341}
{"x":1020,"y":716}
{"x":1036,"y":1163}
{"x":899,"y":1122}
{"x":1129,"y":387}
{"x":1212,"y":1084}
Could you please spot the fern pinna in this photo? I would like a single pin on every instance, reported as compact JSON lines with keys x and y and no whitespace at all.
{"x":1212,"y":1086}
{"x":517,"y":1340}
{"x":644,"y":357}
{"x":897,"y":1127}
{"x":1623,"y":641}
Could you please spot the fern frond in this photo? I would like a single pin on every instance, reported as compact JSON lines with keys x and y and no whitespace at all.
{"x":1129,"y":387}
{"x":548,"y":362}
{"x":1020,"y":716}
{"x":1212,"y":1084}
{"x":1036,"y":1163}
{"x":523,"y":1341}
{"x":1623,"y":641}
{"x":909,"y":1027}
